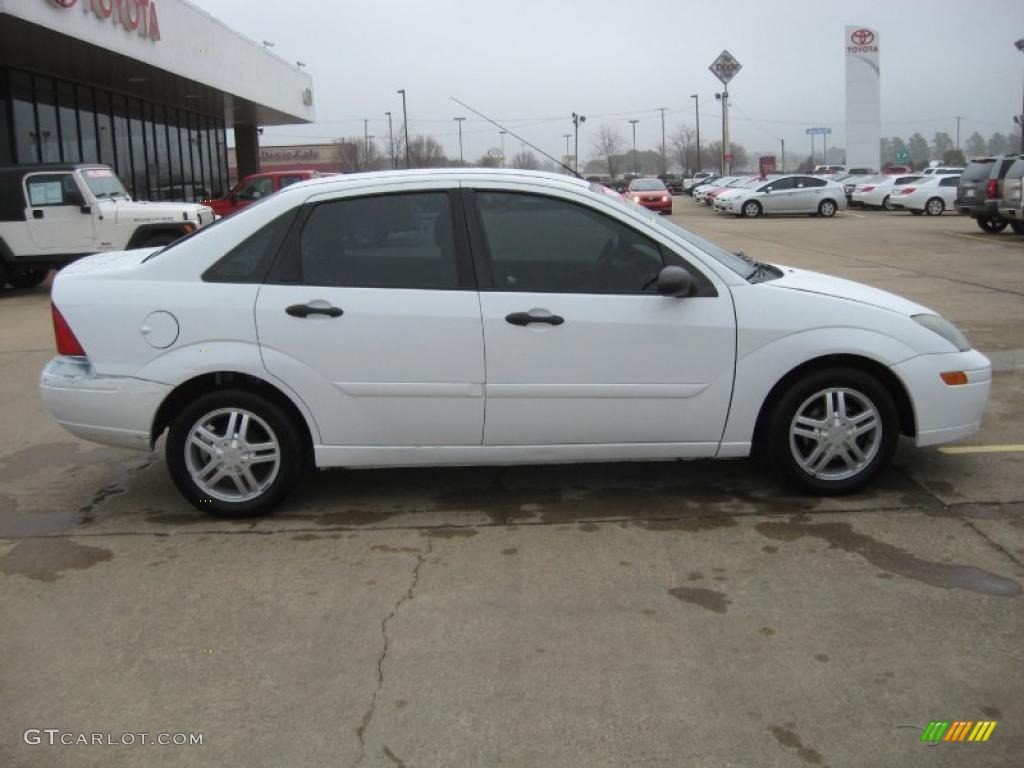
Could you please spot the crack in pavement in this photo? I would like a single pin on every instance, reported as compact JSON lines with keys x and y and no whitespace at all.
{"x":421,"y":558}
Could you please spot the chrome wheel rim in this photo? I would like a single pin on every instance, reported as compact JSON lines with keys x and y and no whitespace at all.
{"x":752,"y":209}
{"x":935,"y":207}
{"x":835,"y":434}
{"x":827,"y":209}
{"x":232,"y":455}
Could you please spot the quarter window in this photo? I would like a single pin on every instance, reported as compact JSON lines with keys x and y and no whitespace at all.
{"x":541,"y":244}
{"x":386,"y":241}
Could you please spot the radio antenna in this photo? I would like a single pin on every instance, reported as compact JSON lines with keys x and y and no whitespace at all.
{"x":524,"y":141}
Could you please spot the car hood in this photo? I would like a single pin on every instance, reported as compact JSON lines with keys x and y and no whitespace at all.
{"x":159,"y":213}
{"x":826,"y":285}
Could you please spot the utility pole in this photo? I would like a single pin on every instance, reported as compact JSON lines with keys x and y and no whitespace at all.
{"x":366,"y":144}
{"x":958,"y":118}
{"x":783,"y":160}
{"x":502,"y":133}
{"x":576,"y":120}
{"x":664,"y":157}
{"x":725,"y":132}
{"x":696,"y":112}
{"x":636,"y":164}
{"x":405,"y":121}
{"x":459,"y":121}
{"x":824,"y":152}
{"x":391,"y":142}
{"x":567,"y":136}
{"x":1020,"y":118}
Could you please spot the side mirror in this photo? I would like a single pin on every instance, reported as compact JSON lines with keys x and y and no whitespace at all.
{"x":85,"y":208}
{"x":767,"y":190}
{"x":675,"y":282}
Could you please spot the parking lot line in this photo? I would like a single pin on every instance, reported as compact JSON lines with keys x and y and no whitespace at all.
{"x":982,"y":238}
{"x":1014,"y":448}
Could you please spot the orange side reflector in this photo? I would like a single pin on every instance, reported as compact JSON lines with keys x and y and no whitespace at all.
{"x":953,"y":378}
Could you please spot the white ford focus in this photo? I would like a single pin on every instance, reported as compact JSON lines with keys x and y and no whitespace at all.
{"x":487,"y":317}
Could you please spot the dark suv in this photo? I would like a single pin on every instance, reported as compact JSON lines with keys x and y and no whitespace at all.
{"x":980,"y":190}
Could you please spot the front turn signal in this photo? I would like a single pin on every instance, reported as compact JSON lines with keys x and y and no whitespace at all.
{"x":954,"y":378}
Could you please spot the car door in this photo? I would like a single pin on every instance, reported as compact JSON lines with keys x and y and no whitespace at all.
{"x":371,"y":315}
{"x":774,"y":197}
{"x":56,"y":221}
{"x":947,"y":189}
{"x":808,"y":192}
{"x":581,"y":350}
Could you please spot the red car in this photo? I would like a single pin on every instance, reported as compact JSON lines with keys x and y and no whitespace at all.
{"x":652,"y":194}
{"x":256,"y":187}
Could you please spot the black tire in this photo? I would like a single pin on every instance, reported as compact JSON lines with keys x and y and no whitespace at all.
{"x":781,"y":449}
{"x":27,"y":277}
{"x":991,"y":226}
{"x":281,"y":426}
{"x":1017,"y":227}
{"x":916,"y":213}
{"x":935,"y":206}
{"x":3,"y":274}
{"x":827,"y":209}
{"x":886,"y":204}
{"x":159,"y":240}
{"x":751,"y":209}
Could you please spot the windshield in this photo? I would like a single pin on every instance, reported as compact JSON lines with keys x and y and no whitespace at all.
{"x":103,"y":183}
{"x":646,"y":185}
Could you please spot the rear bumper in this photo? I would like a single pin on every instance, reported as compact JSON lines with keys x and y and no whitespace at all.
{"x":116,"y":411}
{"x":944,"y":413}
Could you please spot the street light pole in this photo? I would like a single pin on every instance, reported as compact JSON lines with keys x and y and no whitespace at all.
{"x":391,"y":142}
{"x":459,"y":121}
{"x":366,"y":144}
{"x":405,"y":122}
{"x":696,"y":112}
{"x":636,"y":164}
{"x":664,"y":157}
{"x":725,"y":131}
{"x":1020,"y":121}
{"x":502,"y":134}
{"x":576,"y":120}
{"x":782,"y":165}
{"x":567,"y":136}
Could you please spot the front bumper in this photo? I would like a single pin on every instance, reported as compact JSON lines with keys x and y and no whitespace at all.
{"x":944,"y":413}
{"x":112,"y":410}
{"x":658,"y":206}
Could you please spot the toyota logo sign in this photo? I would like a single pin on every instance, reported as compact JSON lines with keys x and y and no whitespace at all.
{"x":137,"y":16}
{"x":860,"y":37}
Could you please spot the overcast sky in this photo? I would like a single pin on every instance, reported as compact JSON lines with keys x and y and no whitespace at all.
{"x":533,"y":62}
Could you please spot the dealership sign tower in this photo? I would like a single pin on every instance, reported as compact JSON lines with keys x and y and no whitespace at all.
{"x":863,"y":104}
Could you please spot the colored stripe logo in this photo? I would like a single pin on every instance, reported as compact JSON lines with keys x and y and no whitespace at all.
{"x":958,"y":730}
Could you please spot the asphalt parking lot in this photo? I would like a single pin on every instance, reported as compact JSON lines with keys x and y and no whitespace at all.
{"x":669,"y":614}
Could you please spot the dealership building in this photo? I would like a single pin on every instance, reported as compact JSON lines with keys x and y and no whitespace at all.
{"x":149,"y":87}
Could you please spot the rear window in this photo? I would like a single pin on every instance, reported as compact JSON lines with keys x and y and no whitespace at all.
{"x":1016,"y":170}
{"x":977,"y":170}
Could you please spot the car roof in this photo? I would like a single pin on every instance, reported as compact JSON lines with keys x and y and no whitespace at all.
{"x":337,"y":183}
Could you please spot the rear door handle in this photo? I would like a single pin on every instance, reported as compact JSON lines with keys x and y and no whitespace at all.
{"x":305,"y":310}
{"x":525,"y":318}
{"x":37,"y":214}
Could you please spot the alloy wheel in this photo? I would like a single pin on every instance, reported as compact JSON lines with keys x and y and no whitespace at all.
{"x":232,"y":455}
{"x":835,"y":434}
{"x":935,"y":207}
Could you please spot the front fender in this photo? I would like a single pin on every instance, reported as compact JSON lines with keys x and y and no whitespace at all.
{"x":760,"y":370}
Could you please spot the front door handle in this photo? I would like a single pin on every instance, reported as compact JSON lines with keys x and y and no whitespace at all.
{"x":38,"y":214}
{"x":525,"y":318}
{"x":305,"y":310}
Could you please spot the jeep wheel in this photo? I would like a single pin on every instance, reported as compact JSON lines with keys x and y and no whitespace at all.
{"x":992,"y":226}
{"x":27,"y":278}
{"x":159,"y":240}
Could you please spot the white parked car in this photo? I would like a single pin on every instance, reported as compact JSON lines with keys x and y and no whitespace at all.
{"x":875,"y":193}
{"x":374,"y":319}
{"x":930,"y":194}
{"x":784,"y":194}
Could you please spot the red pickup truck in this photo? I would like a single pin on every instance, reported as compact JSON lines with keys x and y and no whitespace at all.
{"x":256,"y":187}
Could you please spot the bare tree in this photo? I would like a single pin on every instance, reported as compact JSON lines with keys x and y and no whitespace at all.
{"x":609,"y":146}
{"x":424,"y":151}
{"x":358,"y":154}
{"x":526,"y":160}
{"x":684,"y":151}
{"x":490,"y":159}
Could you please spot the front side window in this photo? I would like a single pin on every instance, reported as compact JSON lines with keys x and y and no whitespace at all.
{"x":778,"y":185}
{"x":52,"y":189}
{"x":385,"y":241}
{"x":287,"y":181}
{"x":541,"y":244}
{"x":256,"y":189}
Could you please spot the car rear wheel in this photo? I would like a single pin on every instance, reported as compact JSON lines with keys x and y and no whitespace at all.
{"x":27,"y":277}
{"x":887,"y":204}
{"x":1017,"y":227}
{"x":752,"y":209}
{"x":992,"y":226}
{"x":935,"y":207}
{"x":234,"y":453}
{"x":833,"y":431}
{"x":827,"y":208}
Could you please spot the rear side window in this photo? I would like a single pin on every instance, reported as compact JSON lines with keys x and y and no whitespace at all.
{"x":977,"y":171}
{"x":385,"y":241}
{"x":1005,"y":165}
{"x":809,"y":181}
{"x":950,"y":181}
{"x":250,"y":260}
{"x":1016,"y":170}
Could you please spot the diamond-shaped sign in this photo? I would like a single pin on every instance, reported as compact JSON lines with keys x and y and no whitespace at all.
{"x":725,"y":67}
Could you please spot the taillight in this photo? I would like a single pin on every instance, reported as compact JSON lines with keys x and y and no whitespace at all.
{"x":907,"y":190}
{"x":67,"y":344}
{"x":868,"y":188}
{"x":993,"y":189}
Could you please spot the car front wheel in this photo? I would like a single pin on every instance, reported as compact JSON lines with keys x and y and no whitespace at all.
{"x":234,"y":453}
{"x":833,"y":430}
{"x":887,"y":204}
{"x":28,"y":277}
{"x":752,"y":209}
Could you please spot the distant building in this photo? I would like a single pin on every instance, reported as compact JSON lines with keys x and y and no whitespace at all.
{"x":325,"y":158}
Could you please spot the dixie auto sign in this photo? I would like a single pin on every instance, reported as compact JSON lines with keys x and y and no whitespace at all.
{"x":134,"y":15}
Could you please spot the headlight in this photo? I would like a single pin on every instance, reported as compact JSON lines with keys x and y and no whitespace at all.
{"x":945,"y":329}
{"x":665,"y":198}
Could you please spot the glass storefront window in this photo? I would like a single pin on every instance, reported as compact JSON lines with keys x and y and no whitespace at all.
{"x":163,"y":169}
{"x":174,"y":146}
{"x":46,"y":115}
{"x":87,"y":125}
{"x":139,"y":178}
{"x":67,"y":114}
{"x":222,"y":159}
{"x":105,"y":129}
{"x":26,"y":148}
{"x":122,"y":142}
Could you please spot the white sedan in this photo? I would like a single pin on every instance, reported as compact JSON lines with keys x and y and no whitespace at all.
{"x":453,"y":317}
{"x":784,"y":194}
{"x":931,"y":194}
{"x":876,"y":192}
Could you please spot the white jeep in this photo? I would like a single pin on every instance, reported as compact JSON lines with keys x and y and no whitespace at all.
{"x":53,"y":214}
